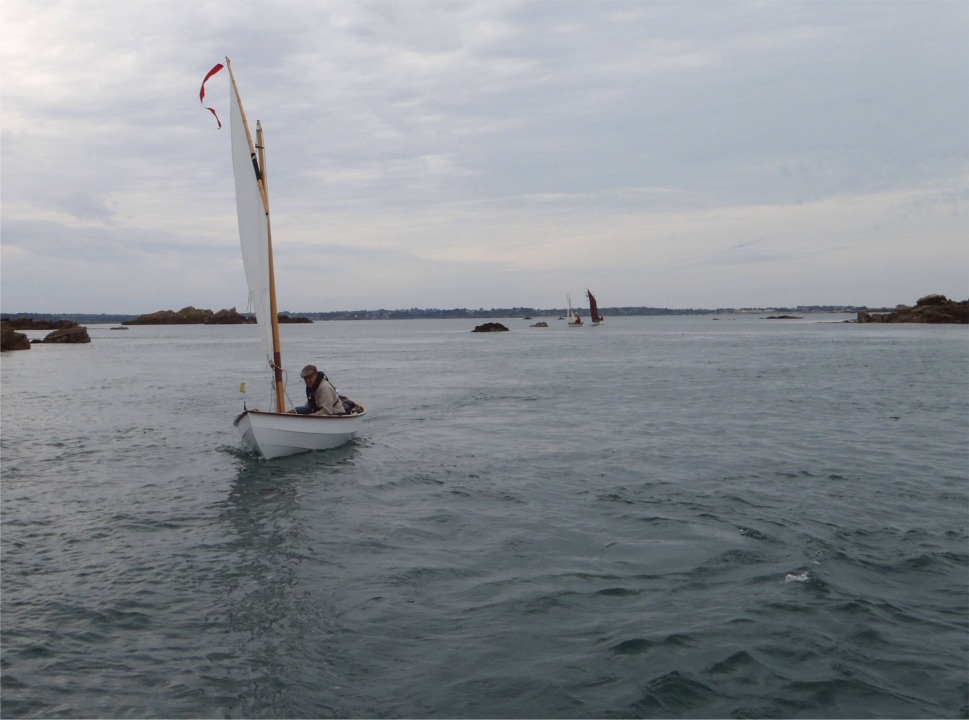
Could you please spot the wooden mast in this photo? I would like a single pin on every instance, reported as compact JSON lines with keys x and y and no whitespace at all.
{"x":273,"y":312}
{"x":259,"y":166}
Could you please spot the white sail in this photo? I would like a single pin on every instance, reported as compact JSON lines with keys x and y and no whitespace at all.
{"x":253,"y":224}
{"x":270,"y":433}
{"x":573,"y":318}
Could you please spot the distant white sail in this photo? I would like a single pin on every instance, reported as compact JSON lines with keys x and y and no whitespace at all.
{"x":253,"y":224}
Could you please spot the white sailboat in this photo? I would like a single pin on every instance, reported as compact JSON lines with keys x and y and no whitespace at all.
{"x":274,"y":433}
{"x":574,"y":319}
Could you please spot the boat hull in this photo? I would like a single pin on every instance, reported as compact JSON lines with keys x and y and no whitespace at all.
{"x":274,"y":435}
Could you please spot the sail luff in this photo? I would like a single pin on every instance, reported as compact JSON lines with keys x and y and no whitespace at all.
{"x":252,"y":148}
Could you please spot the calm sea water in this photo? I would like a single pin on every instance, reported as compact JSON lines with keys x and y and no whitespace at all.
{"x":659,"y":517}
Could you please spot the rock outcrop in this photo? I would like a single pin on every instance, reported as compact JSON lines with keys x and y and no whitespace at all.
{"x":10,"y":339}
{"x":227,"y":316}
{"x":191,"y":316}
{"x":541,"y":323}
{"x":936,"y":309}
{"x":76,"y":334}
{"x":65,"y":331}
{"x":490,"y":327}
{"x":194,"y":316}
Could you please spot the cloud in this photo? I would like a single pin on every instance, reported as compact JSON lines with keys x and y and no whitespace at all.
{"x":478,"y":153}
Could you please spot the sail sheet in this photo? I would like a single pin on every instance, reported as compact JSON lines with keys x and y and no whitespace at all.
{"x":253,"y":224}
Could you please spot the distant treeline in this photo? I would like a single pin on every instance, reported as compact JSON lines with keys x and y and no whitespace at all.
{"x":467,"y":313}
{"x":79,"y":318}
{"x":436,"y":313}
{"x":461,"y":313}
{"x":525,"y":312}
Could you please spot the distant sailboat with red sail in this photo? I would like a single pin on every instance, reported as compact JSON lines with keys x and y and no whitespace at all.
{"x":597,"y":319}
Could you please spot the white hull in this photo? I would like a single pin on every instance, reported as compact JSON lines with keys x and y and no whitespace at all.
{"x":274,"y":435}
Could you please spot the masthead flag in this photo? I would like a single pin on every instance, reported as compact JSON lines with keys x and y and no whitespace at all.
{"x":213,"y":71}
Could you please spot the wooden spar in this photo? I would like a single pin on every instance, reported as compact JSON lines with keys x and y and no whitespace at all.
{"x":259,"y":166}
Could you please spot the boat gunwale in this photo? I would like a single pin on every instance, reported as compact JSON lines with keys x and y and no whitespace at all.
{"x":345,"y":416}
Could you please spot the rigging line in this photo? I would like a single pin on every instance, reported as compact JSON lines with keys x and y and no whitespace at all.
{"x":272,"y":385}
{"x":285,"y":392}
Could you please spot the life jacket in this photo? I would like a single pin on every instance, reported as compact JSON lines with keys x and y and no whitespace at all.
{"x":349,"y":407}
{"x":311,"y":391}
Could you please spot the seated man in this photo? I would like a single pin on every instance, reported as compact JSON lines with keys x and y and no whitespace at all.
{"x":321,"y":397}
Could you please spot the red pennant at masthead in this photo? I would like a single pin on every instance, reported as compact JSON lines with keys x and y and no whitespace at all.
{"x":213,"y":71}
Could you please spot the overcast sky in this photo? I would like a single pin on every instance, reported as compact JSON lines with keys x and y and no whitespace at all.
{"x":487,"y":154}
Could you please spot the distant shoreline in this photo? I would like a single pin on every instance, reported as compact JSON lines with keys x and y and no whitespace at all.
{"x":464,"y":313}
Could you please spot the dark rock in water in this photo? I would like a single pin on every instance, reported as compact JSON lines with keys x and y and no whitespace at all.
{"x":934,"y":309}
{"x":120,"y":327}
{"x":783,"y":317}
{"x":540,"y":324}
{"x":76,"y":334}
{"x":490,"y":327}
{"x":10,"y":339}
{"x":297,"y":319}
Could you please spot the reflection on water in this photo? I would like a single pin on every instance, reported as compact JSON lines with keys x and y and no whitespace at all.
{"x":272,"y":613}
